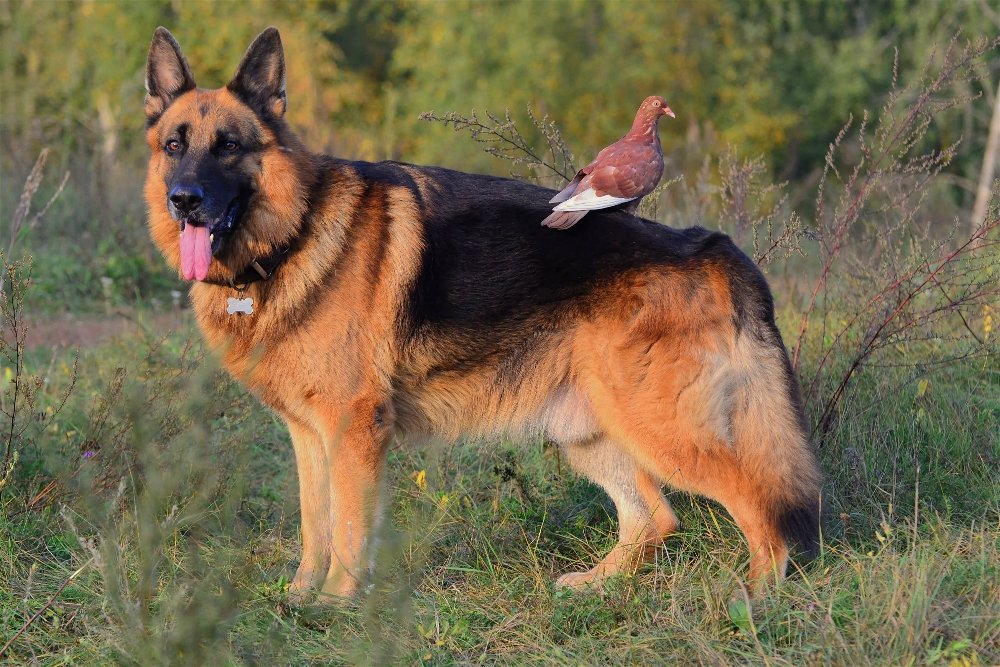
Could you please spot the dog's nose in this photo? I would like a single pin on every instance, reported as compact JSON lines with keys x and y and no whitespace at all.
{"x":186,"y":198}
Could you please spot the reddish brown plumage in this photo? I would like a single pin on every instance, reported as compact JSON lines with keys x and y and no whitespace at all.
{"x":621,"y":174}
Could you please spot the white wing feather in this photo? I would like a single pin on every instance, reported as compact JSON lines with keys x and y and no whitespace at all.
{"x":588,"y":200}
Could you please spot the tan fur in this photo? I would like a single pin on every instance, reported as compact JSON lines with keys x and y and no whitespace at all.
{"x":656,"y":388}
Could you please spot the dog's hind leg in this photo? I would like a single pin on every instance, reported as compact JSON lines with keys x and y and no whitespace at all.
{"x":751,"y":498}
{"x":644,"y":516}
{"x":725,"y":428}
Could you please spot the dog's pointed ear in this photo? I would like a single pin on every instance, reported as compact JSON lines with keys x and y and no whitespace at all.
{"x":167,"y":74}
{"x":260,"y":79}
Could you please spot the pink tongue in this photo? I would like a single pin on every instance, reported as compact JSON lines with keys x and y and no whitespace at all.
{"x":196,"y":252}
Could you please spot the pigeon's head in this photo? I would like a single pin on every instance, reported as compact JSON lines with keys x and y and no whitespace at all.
{"x":653,"y":107}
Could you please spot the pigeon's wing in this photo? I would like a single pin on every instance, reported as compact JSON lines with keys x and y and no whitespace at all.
{"x":605,"y":155}
{"x":589,"y":199}
{"x":570,"y":189}
{"x":631,"y":171}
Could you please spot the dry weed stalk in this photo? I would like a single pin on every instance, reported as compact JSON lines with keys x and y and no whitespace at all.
{"x":501,"y":138}
{"x":879,"y":262}
{"x":19,"y":399}
{"x":20,"y":223}
{"x":649,"y":207}
{"x":41,"y":610}
{"x":750,"y":203}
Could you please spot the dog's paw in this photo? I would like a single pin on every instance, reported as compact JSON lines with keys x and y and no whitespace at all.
{"x":578,"y":580}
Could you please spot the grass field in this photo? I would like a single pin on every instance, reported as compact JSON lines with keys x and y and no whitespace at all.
{"x":172,"y":542}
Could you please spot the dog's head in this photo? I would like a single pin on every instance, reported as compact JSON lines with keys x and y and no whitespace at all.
{"x":225,"y":183}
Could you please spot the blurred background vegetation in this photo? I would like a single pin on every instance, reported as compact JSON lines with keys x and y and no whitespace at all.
{"x":773,"y":78}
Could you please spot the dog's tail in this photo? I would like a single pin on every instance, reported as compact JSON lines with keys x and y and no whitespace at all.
{"x":798,"y":520}
{"x":770,"y":433}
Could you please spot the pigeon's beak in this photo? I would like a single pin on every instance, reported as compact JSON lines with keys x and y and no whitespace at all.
{"x":667,"y":111}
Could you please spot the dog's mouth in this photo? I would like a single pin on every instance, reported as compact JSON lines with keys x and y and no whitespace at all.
{"x":201,"y":240}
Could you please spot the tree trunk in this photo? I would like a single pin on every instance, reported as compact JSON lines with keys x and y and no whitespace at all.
{"x":989,"y":167}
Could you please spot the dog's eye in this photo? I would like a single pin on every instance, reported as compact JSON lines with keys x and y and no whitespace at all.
{"x":173,"y":146}
{"x":230,"y":147}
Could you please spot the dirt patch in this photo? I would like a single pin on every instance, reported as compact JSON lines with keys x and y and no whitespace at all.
{"x":89,"y":330}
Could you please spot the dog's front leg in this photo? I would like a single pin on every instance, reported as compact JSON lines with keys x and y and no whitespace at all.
{"x":313,"y":469}
{"x":355,"y":440}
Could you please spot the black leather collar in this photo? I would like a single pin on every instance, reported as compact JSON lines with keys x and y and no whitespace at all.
{"x":260,"y":269}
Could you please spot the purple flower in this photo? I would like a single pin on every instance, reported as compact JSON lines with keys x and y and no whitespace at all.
{"x":89,"y":454}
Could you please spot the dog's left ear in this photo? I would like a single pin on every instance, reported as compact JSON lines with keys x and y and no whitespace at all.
{"x":260,"y":79}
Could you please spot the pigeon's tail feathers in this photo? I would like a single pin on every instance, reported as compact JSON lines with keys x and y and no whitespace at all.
{"x":563,"y":219}
{"x":567,"y":191}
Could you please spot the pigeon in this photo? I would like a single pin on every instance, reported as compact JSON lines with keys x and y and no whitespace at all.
{"x":623,"y":173}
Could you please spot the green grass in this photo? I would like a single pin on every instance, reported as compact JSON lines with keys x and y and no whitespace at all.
{"x":94,"y":279}
{"x":909,"y":571}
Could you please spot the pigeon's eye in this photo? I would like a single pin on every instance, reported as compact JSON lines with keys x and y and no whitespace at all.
{"x":656,"y":103}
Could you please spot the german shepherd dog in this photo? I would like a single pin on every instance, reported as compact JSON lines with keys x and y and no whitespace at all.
{"x":393,"y":300}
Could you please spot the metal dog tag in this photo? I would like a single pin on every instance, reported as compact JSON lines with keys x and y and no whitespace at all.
{"x":234,"y":305}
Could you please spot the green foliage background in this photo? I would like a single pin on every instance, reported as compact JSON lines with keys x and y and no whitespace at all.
{"x":769,"y":76}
